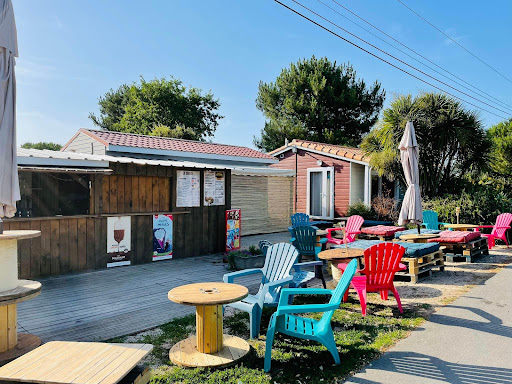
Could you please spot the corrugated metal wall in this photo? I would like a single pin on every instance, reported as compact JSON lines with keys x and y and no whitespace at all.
{"x":266,"y":202}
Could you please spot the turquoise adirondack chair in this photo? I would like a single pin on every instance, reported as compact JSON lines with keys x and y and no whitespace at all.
{"x":431,"y":220}
{"x":275,"y":273}
{"x":306,"y":328}
{"x":304,"y":239}
{"x":300,"y":278}
{"x":299,"y":219}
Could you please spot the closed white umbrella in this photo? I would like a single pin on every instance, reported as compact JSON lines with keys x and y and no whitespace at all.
{"x":9,"y":186}
{"x":411,"y":211}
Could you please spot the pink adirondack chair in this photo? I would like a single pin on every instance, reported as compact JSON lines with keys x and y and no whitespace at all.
{"x":499,"y":230}
{"x":381,"y":262}
{"x":353,"y":228}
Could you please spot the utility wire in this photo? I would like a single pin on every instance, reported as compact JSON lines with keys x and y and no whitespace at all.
{"x":384,"y":60}
{"x":396,"y":58}
{"x":456,"y":42}
{"x":419,"y":54}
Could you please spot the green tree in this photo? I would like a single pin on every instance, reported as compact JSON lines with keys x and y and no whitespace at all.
{"x":142,"y":107}
{"x":500,"y":137}
{"x":317,"y":100}
{"x":450,"y":138}
{"x":176,"y":133}
{"x":42,"y":145}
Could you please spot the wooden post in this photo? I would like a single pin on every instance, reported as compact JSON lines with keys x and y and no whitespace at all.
{"x":209,"y":328}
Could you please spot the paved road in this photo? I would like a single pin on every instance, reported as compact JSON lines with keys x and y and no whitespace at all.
{"x":469,"y":341}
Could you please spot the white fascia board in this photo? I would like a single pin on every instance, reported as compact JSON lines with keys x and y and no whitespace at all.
{"x":196,"y":155}
{"x":322,"y":153}
{"x":29,"y":160}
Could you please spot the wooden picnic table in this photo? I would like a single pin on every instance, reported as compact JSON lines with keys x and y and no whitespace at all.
{"x":461,"y":227}
{"x":210,"y":347}
{"x":340,"y":255}
{"x":65,"y":362}
{"x":418,"y":238}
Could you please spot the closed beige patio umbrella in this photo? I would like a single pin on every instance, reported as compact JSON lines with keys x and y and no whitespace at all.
{"x":411,"y":211}
{"x":9,"y":186}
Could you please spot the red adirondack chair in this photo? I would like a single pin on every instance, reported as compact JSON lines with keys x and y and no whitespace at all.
{"x":381,"y":262}
{"x":499,"y":230}
{"x":353,"y":228}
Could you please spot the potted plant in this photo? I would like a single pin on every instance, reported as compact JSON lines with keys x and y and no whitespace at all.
{"x":246,"y":258}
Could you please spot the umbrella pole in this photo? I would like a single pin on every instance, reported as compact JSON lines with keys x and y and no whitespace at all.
{"x":419,"y":231}
{"x":1,"y":226}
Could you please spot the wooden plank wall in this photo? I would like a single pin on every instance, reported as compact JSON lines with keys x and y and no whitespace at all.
{"x":71,"y":244}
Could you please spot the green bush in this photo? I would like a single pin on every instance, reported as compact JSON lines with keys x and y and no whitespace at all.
{"x":361,"y":209}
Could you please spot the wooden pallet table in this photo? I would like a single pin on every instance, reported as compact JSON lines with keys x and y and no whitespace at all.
{"x":210,"y":347}
{"x":418,"y":238}
{"x":420,"y":266}
{"x":461,"y":227}
{"x":454,"y":252}
{"x":66,"y":362}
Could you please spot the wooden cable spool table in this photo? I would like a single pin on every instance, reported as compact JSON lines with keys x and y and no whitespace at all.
{"x":418,"y":237}
{"x":210,"y":347}
{"x":12,"y":292}
{"x":340,"y":255}
{"x":461,"y":227}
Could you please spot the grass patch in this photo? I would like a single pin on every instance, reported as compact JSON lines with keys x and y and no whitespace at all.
{"x":359,"y":341}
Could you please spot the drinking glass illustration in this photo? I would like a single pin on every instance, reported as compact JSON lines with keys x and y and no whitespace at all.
{"x":118,"y":233}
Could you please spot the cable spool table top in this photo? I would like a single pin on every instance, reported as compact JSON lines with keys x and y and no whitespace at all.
{"x":211,"y":293}
{"x":341,"y":253}
{"x":19,"y":235}
{"x":26,"y":290}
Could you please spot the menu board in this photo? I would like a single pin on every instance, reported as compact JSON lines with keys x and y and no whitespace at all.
{"x":118,"y":241}
{"x":162,"y":237}
{"x":214,"y":188}
{"x":188,"y":189}
{"x":233,"y":224}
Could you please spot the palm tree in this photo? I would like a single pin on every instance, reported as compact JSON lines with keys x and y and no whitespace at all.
{"x":450,"y":138}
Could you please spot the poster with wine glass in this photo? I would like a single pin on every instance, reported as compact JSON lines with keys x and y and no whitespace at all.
{"x":118,"y":241}
{"x":162,"y":237}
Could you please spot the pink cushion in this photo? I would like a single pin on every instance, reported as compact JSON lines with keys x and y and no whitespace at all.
{"x":455,"y":237}
{"x":382,"y":230}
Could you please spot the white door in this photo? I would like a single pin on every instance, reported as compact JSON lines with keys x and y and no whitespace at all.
{"x":320,"y":201}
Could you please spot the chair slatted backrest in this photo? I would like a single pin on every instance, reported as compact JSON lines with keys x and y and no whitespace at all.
{"x":264,"y":245}
{"x":431,"y":219}
{"x":354,"y":224}
{"x":381,"y":262}
{"x":340,"y":289}
{"x":299,"y":219}
{"x":503,"y":220}
{"x":279,"y":261}
{"x":305,"y":240}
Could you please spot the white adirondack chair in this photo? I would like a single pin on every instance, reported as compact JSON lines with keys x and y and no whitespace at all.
{"x":275,"y":273}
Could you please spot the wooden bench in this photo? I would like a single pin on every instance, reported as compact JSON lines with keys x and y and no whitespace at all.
{"x":66,"y":362}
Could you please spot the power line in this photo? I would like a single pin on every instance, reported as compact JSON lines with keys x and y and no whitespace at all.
{"x":456,"y":42}
{"x":384,"y":60}
{"x":419,"y":54}
{"x":396,"y":58}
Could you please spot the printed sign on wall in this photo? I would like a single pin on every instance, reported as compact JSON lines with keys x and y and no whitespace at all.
{"x":233,"y":224}
{"x":188,"y":189}
{"x":118,"y":241}
{"x":214,"y":188}
{"x":162,"y":237}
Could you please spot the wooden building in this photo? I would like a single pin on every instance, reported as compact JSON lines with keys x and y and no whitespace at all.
{"x":69,"y":197}
{"x":328,"y":177}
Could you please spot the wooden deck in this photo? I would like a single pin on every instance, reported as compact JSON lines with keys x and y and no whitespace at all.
{"x":100,"y":305}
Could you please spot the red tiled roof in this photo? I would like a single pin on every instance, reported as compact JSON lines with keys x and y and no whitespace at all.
{"x":329,"y":149}
{"x":168,"y":144}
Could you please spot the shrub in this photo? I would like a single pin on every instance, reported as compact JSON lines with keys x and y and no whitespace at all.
{"x":252,"y":251}
{"x":361,"y":209}
{"x":386,"y":208}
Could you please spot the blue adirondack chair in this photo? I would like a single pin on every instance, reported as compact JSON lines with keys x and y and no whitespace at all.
{"x":301,"y":219}
{"x":300,"y":278}
{"x":275,"y":274}
{"x":304,"y":239}
{"x":306,"y":328}
{"x":431,"y":220}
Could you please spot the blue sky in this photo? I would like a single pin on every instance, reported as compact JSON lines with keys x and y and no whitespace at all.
{"x":72,"y":52}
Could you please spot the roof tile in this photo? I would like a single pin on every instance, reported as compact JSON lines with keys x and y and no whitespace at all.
{"x":338,"y":150}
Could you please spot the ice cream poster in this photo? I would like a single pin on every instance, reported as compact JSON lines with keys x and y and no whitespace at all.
{"x":118,"y":241}
{"x":162,"y":237}
{"x":233,"y":223}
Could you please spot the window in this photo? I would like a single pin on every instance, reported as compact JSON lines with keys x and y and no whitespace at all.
{"x":53,"y":194}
